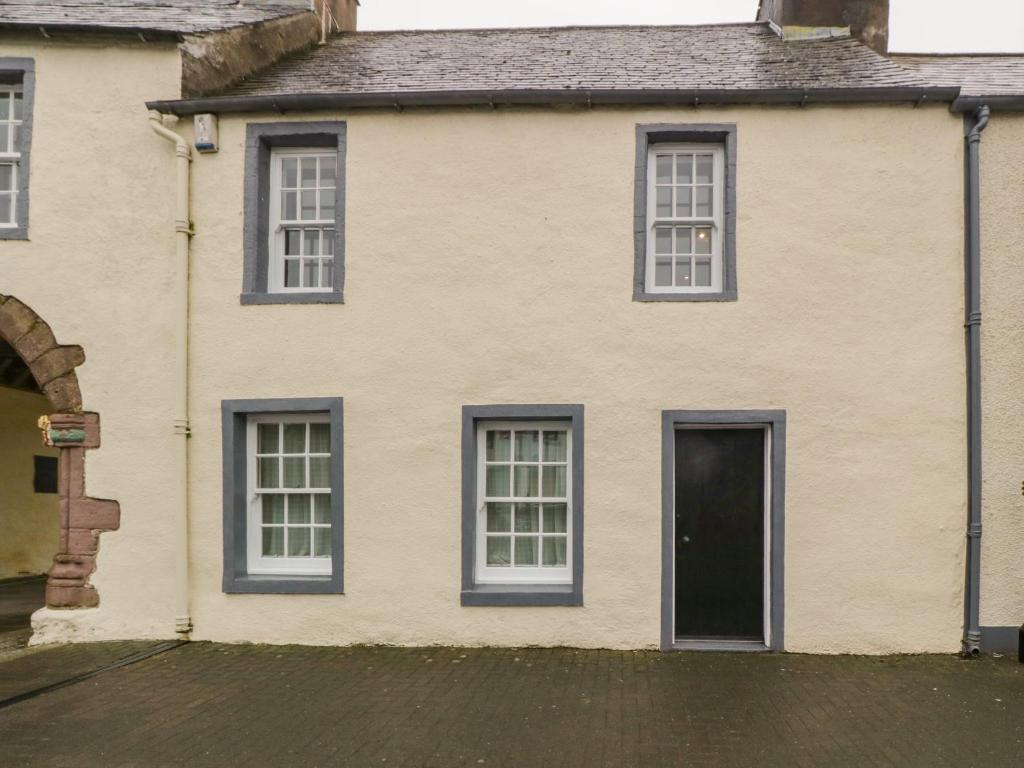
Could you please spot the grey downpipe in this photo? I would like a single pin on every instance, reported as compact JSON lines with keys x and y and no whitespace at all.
{"x":973,"y":126}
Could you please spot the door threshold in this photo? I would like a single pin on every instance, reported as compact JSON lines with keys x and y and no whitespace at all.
{"x":714,"y":644}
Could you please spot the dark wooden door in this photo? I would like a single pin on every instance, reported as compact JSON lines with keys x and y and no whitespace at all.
{"x":719,"y":533}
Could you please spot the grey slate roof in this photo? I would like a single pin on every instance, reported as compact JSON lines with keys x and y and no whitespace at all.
{"x":707,"y":57}
{"x":161,"y":17}
{"x":977,"y":74}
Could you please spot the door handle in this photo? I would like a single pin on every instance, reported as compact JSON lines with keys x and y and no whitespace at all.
{"x":686,"y":539}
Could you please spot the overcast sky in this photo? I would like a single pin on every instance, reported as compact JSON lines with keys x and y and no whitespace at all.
{"x":915,"y":25}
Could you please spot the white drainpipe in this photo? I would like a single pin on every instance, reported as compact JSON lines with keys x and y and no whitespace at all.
{"x":183,"y":231}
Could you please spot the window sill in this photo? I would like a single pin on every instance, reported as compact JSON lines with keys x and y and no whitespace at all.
{"x":538,"y":595}
{"x":291,"y":298}
{"x":282,"y":585}
{"x":13,"y":233}
{"x":719,"y":296}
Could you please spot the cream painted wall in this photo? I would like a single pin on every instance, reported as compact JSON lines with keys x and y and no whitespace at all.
{"x":1002,"y":333}
{"x":490,"y":260}
{"x":97,"y":268}
{"x":30,"y":521}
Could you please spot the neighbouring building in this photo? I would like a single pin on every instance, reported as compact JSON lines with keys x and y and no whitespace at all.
{"x":624,"y":337}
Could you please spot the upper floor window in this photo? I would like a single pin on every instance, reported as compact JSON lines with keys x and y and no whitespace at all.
{"x":11,"y":111}
{"x":303,"y":186}
{"x":685,"y":213}
{"x":685,"y":201}
{"x":17,"y":91}
{"x":294,"y":213}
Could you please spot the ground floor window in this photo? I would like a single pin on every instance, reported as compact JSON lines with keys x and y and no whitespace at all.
{"x":283,"y":495}
{"x":522,"y":505}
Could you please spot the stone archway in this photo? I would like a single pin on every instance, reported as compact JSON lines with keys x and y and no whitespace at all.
{"x":73,"y":431}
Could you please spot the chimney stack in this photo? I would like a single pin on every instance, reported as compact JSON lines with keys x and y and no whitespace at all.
{"x":867,"y":20}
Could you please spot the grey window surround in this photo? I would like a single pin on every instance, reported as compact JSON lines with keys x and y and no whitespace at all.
{"x":662,"y":133}
{"x":260,"y":139}
{"x":1000,"y":639}
{"x":776,"y":419}
{"x":474,"y":594}
{"x":234,"y":417}
{"x":21,"y":70}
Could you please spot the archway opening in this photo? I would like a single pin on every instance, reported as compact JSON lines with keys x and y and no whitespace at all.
{"x":29,"y":502}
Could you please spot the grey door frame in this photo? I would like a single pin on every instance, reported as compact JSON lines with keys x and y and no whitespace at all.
{"x":775,"y":422}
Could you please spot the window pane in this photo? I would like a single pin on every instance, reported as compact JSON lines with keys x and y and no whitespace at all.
{"x":319,"y":472}
{"x":327,"y":273}
{"x":266,"y":438}
{"x":527,"y":518}
{"x":526,"y":481}
{"x":288,"y":206}
{"x":294,"y":472}
{"x":299,"y":508}
{"x":311,"y":273}
{"x":327,"y":243}
{"x":684,"y":200}
{"x":309,"y":171}
{"x":320,"y":438}
{"x":5,"y":106}
{"x":702,"y":276}
{"x":704,"y":205}
{"x":311,"y":242}
{"x":664,"y":169}
{"x":273,"y":542}
{"x":526,"y":550}
{"x":308,"y":205}
{"x":663,"y":272}
{"x":291,"y":242}
{"x":663,"y":202}
{"x":683,"y":271}
{"x":499,"y":550}
{"x":499,"y":516}
{"x":527,"y":446}
{"x":294,"y":438}
{"x":705,"y":169}
{"x":327,"y":204}
{"x":291,"y":273}
{"x":702,"y":241}
{"x":497,"y":481}
{"x":498,"y":442}
{"x":6,"y":208}
{"x":554,"y":550}
{"x":273,"y":508}
{"x":298,"y":542}
{"x":289,"y":172}
{"x":5,"y":138}
{"x":322,"y":542}
{"x":268,"y":476}
{"x":554,"y":446}
{"x":663,"y":239}
{"x":683,"y":240}
{"x":328,"y":166}
{"x":554,"y":481}
{"x":684,"y":169}
{"x":554,"y":518}
{"x":322,"y":508}
{"x":6,"y":177}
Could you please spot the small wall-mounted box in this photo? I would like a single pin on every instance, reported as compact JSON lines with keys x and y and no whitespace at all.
{"x":206,"y":132}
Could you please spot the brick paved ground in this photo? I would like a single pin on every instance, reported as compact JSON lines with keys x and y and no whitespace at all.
{"x":217,"y":705}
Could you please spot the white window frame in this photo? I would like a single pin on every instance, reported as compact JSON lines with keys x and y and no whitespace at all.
{"x":277,"y":225}
{"x":716,"y":221}
{"x":256,"y":563}
{"x":10,"y":155}
{"x":485,"y":574}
